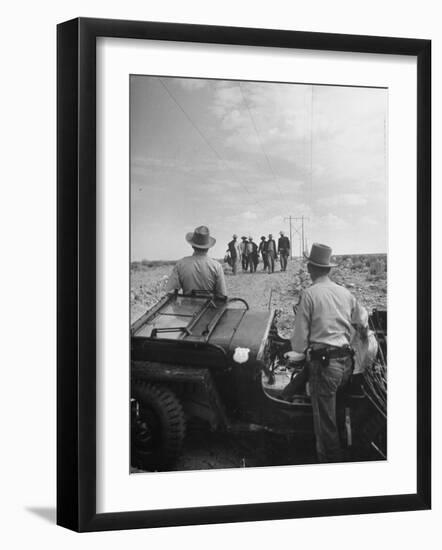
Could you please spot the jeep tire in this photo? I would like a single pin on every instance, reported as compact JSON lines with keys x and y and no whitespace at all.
{"x":157,"y":426}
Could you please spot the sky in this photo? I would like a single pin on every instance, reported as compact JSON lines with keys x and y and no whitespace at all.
{"x":241,"y":157}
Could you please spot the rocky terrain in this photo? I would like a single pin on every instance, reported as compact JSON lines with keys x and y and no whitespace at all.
{"x":365,"y":276}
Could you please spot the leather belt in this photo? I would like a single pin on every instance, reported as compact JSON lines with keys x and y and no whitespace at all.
{"x":326,"y":353}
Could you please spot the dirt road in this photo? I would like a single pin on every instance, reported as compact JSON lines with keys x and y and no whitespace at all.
{"x":279,"y":290}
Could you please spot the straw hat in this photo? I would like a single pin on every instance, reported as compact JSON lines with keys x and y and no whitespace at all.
{"x":200,"y":238}
{"x":320,"y":255}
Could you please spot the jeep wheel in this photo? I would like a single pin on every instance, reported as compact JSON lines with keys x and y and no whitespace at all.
{"x":157,"y":426}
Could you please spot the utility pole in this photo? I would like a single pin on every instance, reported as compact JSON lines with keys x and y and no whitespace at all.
{"x":302,"y":231}
{"x":291,"y":240}
{"x":301,"y":219}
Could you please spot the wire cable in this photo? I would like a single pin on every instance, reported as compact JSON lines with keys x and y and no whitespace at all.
{"x":204,"y":138}
{"x":260,"y":141}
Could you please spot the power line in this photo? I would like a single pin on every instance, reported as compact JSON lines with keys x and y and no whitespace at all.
{"x":259,"y":140}
{"x":303,"y":240}
{"x":171,"y":95}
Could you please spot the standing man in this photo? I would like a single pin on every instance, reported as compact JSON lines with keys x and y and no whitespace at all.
{"x":235,"y":253}
{"x":261,"y":250}
{"x":199,"y":271}
{"x":270,"y":247}
{"x":243,"y":249}
{"x":283,"y":250}
{"x":323,"y":325}
{"x":253,"y":256}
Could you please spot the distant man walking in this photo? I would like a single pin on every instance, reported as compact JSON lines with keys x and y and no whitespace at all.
{"x":323,"y":325}
{"x":253,"y":255}
{"x":235,"y":253}
{"x":261,"y":250}
{"x":199,"y":271}
{"x":283,"y":250}
{"x":270,"y":248}
{"x":244,"y":257}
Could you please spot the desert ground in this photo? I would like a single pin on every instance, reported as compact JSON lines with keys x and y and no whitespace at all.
{"x":365,"y":276}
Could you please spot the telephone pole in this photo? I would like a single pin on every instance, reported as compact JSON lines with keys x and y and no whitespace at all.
{"x":291,"y":240}
{"x":301,"y":219}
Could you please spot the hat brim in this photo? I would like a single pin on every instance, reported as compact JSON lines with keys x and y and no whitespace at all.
{"x":307,"y":258}
{"x":189,"y":239}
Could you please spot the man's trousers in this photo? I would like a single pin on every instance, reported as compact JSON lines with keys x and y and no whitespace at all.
{"x":324,"y":382}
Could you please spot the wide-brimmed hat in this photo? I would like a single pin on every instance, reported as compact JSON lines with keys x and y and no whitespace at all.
{"x":320,"y":255}
{"x":200,"y":238}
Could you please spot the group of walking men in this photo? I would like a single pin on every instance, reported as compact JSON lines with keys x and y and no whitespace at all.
{"x":246,"y":253}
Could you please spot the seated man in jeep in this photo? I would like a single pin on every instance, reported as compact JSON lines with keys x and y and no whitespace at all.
{"x":199,"y":271}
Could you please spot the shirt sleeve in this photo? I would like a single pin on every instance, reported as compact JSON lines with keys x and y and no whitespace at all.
{"x":173,"y":282}
{"x":301,"y":334}
{"x":220,"y":288}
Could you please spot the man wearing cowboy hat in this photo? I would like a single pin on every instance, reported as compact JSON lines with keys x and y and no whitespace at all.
{"x":283,"y":249}
{"x":324,"y":322}
{"x":199,"y":271}
{"x":244,"y":254}
{"x":262,"y":251}
{"x":270,"y":249}
{"x":235,"y":253}
{"x":253,"y":255}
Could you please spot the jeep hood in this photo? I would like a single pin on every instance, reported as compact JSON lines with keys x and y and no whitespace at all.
{"x":244,"y":329}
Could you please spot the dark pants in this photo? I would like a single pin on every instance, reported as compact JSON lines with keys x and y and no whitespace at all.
{"x":324,"y":382}
{"x":253,"y":260}
{"x":245,"y":262}
{"x":265,"y":261}
{"x":283,"y":257}
{"x":235,"y":262}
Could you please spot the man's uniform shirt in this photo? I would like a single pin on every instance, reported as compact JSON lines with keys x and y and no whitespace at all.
{"x":283,"y":244}
{"x":271,"y":247}
{"x":197,"y":272}
{"x":235,"y":249}
{"x":326,"y":315}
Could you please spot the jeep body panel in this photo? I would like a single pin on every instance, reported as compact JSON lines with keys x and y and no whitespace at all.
{"x":195,"y":330}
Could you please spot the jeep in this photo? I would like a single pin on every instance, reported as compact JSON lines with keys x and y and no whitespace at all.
{"x":212,"y":358}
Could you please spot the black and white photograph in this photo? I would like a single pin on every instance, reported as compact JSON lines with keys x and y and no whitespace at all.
{"x":219,"y":219}
{"x":258,"y":273}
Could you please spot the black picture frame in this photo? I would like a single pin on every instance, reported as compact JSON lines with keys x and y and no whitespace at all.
{"x":76,"y":273}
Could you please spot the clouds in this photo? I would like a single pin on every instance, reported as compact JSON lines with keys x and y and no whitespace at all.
{"x":243,"y":156}
{"x":259,"y":116}
{"x":342,"y":200}
{"x":248,"y":215}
